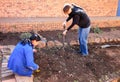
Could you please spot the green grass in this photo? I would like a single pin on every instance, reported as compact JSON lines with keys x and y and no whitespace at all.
{"x":97,"y":30}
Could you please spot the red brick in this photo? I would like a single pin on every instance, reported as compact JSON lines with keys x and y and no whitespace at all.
{"x":44,"y":8}
{"x":97,"y":40}
{"x":102,"y":40}
{"x":58,"y":43}
{"x":50,"y":44}
{"x":41,"y":44}
{"x":73,"y":42}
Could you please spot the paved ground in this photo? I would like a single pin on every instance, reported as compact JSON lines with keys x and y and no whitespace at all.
{"x":50,"y":23}
{"x":47,"y":19}
{"x":9,"y":79}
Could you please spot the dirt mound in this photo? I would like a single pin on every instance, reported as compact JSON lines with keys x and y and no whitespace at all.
{"x":57,"y":65}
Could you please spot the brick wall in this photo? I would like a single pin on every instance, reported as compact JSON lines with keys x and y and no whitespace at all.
{"x":53,"y":8}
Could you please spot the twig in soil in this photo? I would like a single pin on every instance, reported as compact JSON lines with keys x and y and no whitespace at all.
{"x":63,"y":43}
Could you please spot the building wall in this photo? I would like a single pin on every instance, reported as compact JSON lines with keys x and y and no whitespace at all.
{"x":53,"y":8}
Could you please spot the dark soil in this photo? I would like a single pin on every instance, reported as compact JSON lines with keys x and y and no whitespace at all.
{"x":13,"y":38}
{"x":57,"y":65}
{"x":65,"y":65}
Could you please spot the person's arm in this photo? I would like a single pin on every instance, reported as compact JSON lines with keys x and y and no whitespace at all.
{"x":70,"y":26}
{"x":30,"y":58}
{"x":68,"y":18}
{"x":65,"y":31}
{"x":75,"y":21}
{"x":64,"y":23}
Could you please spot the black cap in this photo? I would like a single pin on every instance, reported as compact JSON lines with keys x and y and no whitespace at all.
{"x":35,"y":37}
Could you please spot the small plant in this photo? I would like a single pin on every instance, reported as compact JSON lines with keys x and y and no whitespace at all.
{"x":59,"y":35}
{"x":113,"y":29}
{"x":76,"y":81}
{"x":25,"y":35}
{"x":97,"y":30}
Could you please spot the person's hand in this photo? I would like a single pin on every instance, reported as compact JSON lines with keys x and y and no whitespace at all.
{"x":64,"y":32}
{"x":38,"y":70}
{"x":64,"y":24}
{"x":34,"y":50}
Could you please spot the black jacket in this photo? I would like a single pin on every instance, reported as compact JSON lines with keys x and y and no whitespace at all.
{"x":80,"y":18}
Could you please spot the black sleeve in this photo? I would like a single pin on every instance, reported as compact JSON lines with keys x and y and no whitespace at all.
{"x":75,"y":21}
{"x":70,"y":26}
{"x":69,"y":18}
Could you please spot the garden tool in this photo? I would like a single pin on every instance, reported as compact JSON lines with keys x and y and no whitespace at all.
{"x":64,"y":38}
{"x":107,"y":46}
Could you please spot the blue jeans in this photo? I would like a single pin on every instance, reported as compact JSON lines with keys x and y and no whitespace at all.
{"x":83,"y":35}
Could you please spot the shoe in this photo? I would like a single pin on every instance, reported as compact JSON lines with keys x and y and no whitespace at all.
{"x":79,"y":52}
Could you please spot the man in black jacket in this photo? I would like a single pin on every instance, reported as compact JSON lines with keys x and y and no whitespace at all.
{"x":81,"y":19}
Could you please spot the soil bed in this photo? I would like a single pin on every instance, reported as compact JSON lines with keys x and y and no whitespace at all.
{"x":13,"y":38}
{"x":58,"y":65}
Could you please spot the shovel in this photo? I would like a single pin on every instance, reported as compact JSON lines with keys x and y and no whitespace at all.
{"x":64,"y":38}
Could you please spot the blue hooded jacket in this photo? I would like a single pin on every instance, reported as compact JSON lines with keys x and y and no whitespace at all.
{"x":21,"y":60}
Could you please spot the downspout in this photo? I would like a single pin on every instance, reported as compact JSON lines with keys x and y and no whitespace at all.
{"x":118,"y":9}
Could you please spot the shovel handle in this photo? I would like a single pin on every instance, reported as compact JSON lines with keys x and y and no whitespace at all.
{"x":64,"y":27}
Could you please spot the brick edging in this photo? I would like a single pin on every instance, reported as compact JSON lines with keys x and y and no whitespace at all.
{"x":56,"y":43}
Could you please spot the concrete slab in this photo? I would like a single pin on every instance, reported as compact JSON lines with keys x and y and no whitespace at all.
{"x":50,"y":23}
{"x":9,"y":80}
